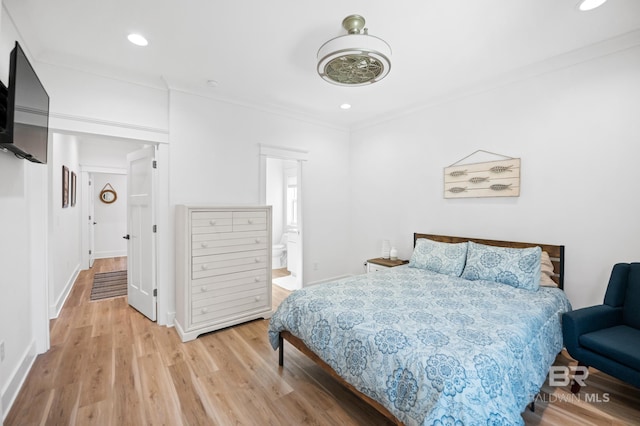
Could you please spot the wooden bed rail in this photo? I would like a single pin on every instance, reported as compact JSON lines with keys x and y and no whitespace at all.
{"x":299,"y":344}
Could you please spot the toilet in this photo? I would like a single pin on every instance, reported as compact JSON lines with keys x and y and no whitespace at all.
{"x":279,"y":254}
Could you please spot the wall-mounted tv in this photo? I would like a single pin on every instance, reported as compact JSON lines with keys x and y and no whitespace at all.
{"x":24,"y":111}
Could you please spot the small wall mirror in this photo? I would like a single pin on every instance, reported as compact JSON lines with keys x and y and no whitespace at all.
{"x":108,"y":196}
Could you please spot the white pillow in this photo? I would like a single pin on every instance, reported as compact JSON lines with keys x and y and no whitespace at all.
{"x":546,"y":271}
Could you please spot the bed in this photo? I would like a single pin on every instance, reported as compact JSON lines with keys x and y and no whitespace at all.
{"x":436,"y":343}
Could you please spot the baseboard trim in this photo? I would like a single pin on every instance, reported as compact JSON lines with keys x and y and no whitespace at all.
{"x":16,"y":380}
{"x":54,"y":310}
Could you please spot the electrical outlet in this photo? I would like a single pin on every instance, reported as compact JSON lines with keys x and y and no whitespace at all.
{"x":2,"y":351}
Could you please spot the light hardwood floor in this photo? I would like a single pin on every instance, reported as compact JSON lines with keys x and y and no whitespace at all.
{"x":108,"y":365}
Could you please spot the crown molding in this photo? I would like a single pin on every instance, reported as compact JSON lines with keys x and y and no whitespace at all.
{"x":258,"y":106}
{"x":612,"y":46}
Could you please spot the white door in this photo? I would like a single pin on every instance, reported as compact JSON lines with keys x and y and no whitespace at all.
{"x":92,"y":222}
{"x":141,"y":244}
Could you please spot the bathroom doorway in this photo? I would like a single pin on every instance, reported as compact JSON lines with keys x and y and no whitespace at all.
{"x":282,"y":189}
{"x":282,"y":195}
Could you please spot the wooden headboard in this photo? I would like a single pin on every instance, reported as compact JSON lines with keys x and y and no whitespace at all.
{"x":556,"y":253}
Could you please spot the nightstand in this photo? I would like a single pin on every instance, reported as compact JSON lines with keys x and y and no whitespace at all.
{"x":379,"y":264}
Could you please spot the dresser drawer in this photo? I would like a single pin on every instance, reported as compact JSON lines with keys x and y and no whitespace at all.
{"x":249,"y":221}
{"x":228,"y":283}
{"x":207,"y":244}
{"x":227,"y":263}
{"x":211,"y":222}
{"x":235,"y":304}
{"x":209,"y":295}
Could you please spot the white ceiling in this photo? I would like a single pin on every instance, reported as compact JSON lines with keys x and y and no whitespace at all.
{"x":263,"y":53}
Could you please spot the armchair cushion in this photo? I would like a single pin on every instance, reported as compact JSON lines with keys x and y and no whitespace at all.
{"x":620,"y":344}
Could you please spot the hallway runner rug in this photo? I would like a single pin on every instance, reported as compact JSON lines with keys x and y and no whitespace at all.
{"x":109,"y":284}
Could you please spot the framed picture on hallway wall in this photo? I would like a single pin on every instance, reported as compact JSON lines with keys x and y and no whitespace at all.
{"x":73,"y":189}
{"x":65,"y":187}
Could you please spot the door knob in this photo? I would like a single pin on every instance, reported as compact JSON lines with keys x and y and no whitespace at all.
{"x":127,"y":237}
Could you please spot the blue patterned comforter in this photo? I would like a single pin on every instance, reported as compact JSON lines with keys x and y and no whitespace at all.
{"x":433,"y":349}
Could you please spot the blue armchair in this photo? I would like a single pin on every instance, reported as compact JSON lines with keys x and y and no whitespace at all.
{"x":607,"y":337}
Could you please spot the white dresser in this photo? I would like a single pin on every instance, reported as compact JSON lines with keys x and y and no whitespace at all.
{"x":223,"y":267}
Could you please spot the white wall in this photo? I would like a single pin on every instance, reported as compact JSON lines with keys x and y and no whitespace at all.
{"x":83,"y":102}
{"x":14,"y":264}
{"x":111,"y":219}
{"x":64,"y":224}
{"x":576,"y":131}
{"x":99,"y":153}
{"x":23,"y":255}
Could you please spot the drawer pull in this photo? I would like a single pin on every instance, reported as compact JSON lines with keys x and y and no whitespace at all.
{"x":250,"y":221}
{"x":257,"y":279}
{"x":212,"y":222}
{"x":258,"y":298}
{"x":257,"y":240}
{"x":257,"y":259}
{"x":204,"y":245}
{"x":204,"y":310}
{"x":204,"y":267}
{"x":203,"y":289}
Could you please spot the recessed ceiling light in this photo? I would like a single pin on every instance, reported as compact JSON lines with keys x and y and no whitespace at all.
{"x":137,"y":39}
{"x":585,"y":5}
{"x":345,"y":106}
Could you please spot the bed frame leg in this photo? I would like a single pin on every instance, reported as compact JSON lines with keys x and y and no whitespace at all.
{"x":281,"y":350}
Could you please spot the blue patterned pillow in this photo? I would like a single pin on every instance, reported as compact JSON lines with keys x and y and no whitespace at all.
{"x":443,"y":258}
{"x":518,"y":268}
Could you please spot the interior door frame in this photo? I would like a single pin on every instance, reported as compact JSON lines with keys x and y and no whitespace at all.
{"x":300,"y":156}
{"x":85,"y":173}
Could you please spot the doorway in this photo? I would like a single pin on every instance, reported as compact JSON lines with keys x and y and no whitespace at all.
{"x":281,"y":188}
{"x":124,"y":225}
{"x":282,"y":196}
{"x":104,"y":223}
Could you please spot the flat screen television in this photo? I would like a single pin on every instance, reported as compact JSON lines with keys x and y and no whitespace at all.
{"x":24,"y":111}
